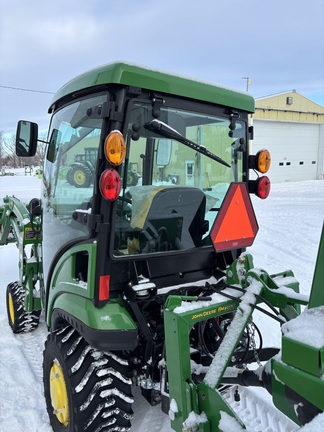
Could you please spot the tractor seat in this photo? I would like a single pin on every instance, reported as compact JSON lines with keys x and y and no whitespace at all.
{"x":171,"y":218}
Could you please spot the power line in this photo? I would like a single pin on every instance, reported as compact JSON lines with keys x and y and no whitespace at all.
{"x":27,"y":90}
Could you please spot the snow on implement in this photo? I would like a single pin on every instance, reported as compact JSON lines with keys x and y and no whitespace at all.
{"x":199,"y":400}
{"x":139,"y":262}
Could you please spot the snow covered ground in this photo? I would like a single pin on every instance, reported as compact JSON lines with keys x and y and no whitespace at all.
{"x":290,"y":222}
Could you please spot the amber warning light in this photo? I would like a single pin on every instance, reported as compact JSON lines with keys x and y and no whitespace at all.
{"x":235,"y":225}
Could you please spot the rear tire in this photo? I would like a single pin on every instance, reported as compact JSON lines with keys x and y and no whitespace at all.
{"x":19,"y":320}
{"x":86,"y":390}
{"x":132,"y":178}
{"x":80,"y":176}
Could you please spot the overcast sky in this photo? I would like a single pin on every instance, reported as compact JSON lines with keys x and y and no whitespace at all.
{"x":279,"y":44}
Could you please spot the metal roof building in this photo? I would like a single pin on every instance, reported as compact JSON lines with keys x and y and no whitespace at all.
{"x":291,"y":127}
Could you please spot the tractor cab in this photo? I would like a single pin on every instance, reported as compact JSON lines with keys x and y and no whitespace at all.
{"x":159,"y":154}
{"x":186,"y":153}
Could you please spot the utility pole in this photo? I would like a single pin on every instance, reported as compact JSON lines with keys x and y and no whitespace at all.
{"x":248,"y":82}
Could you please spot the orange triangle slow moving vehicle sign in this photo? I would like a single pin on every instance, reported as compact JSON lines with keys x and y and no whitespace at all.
{"x":235,"y":225}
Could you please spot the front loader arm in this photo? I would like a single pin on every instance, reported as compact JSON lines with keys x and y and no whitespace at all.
{"x":18,"y":226}
{"x":13,"y":215}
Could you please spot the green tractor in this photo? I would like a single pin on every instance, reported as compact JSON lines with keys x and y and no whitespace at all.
{"x":111,"y":262}
{"x":81,"y":172}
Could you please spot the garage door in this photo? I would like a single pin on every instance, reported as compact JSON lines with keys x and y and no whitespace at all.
{"x":293,"y":147}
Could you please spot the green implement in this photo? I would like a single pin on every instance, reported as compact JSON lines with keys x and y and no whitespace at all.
{"x":295,"y":376}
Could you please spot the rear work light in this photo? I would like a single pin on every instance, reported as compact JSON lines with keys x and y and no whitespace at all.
{"x":115,"y":148}
{"x":260,"y":187}
{"x":110,"y":184}
{"x":261,"y":161}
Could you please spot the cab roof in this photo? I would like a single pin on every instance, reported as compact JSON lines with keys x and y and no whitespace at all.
{"x":145,"y":78}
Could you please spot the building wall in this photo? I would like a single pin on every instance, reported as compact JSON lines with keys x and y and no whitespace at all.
{"x":294,"y":149}
{"x":290,"y":106}
{"x":291,"y":127}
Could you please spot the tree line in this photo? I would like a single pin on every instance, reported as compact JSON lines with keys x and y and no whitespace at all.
{"x":9,"y":159}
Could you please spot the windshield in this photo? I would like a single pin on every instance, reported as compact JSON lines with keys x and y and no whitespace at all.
{"x":176,"y":174}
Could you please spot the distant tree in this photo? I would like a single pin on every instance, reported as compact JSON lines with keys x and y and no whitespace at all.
{"x":9,"y":144}
{"x":41,"y":151}
{"x":8,"y":152}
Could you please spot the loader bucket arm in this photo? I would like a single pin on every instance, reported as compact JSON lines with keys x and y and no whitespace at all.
{"x":18,"y":226}
{"x":13,"y":218}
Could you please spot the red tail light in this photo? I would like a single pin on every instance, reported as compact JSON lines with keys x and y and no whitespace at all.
{"x":104,"y":282}
{"x":110,"y":184}
{"x":260,"y":187}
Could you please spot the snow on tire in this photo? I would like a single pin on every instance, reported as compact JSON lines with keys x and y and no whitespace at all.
{"x":19,"y":320}
{"x":86,"y":390}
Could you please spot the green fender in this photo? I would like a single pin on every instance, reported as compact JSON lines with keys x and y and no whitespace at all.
{"x":110,"y":327}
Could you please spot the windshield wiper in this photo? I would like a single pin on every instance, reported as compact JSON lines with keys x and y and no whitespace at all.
{"x":167,"y":131}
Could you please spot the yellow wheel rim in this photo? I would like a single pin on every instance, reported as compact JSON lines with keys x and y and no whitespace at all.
{"x":79,"y":177}
{"x":59,"y":397}
{"x":11,"y":309}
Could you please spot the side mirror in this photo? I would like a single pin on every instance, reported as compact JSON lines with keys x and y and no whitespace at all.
{"x":26,"y":138}
{"x":164,"y":151}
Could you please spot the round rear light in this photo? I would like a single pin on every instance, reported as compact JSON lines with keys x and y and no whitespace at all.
{"x":263,"y":187}
{"x":115,"y":148}
{"x":110,"y":184}
{"x":263,"y":161}
{"x":260,"y":187}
